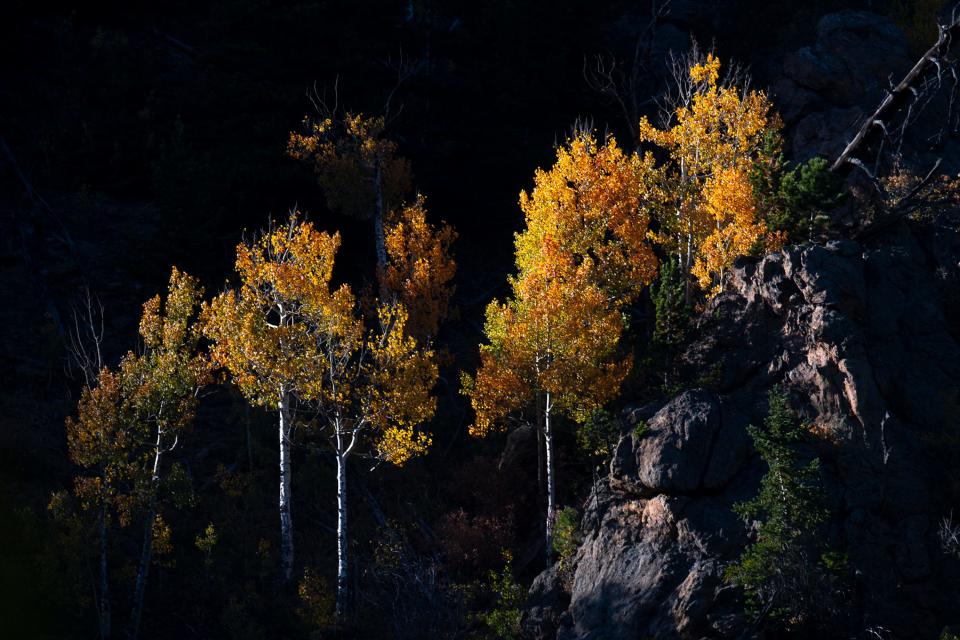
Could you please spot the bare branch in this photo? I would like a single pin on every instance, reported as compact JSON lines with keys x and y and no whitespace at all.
{"x":85,"y":339}
{"x":917,"y":87}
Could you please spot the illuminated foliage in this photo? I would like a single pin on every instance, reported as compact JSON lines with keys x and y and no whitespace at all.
{"x":349,"y":155}
{"x":420,"y":268}
{"x":376,"y":387}
{"x":287,"y":335}
{"x":264,"y":332}
{"x":729,"y":205}
{"x":554,"y":345}
{"x":591,"y":204}
{"x":704,"y":201}
{"x":557,"y":335}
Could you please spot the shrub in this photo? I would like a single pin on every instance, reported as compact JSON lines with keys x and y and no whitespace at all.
{"x":503,"y":618}
{"x":566,"y":534}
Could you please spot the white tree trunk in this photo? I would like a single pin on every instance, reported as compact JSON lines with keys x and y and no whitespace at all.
{"x":286,"y":517}
{"x":551,"y":478}
{"x":341,"y":535}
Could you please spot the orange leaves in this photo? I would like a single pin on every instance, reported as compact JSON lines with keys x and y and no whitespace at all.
{"x":582,"y":256}
{"x":705,"y":209}
{"x":286,"y":330}
{"x":589,"y":203}
{"x":420,"y":268}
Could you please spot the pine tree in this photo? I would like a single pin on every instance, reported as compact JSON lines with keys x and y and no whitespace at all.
{"x":786,"y":572}
{"x":672,"y":318}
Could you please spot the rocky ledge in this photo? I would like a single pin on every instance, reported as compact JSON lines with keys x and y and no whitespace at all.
{"x":864,"y":338}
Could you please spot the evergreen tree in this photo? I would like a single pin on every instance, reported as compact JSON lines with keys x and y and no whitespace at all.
{"x":794,"y":201}
{"x":787,"y":573}
{"x":672,"y":318}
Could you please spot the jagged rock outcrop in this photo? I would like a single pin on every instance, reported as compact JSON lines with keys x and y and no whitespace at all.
{"x":864,"y":338}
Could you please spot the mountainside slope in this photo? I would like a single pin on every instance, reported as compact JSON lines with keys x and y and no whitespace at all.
{"x":862,"y":336}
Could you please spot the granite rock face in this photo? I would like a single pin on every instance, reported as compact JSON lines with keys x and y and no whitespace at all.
{"x":864,"y":337}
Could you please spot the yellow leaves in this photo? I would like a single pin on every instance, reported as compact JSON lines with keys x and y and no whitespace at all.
{"x":559,"y":334}
{"x":285,"y":330}
{"x":349,"y":155}
{"x":420,"y":268}
{"x":397,"y":398}
{"x":707,"y":71}
{"x":729,"y":203}
{"x":591,"y":203}
{"x":705,"y":206}
{"x":397,"y":445}
{"x":264,"y":332}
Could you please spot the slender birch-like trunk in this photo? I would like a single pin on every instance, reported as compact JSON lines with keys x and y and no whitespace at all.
{"x":341,"y":534}
{"x":551,"y":477}
{"x":146,"y":551}
{"x":286,"y":516}
{"x":539,"y":430}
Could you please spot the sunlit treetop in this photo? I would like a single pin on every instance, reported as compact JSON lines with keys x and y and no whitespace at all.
{"x":264,"y":331}
{"x":704,"y":203}
{"x":346,"y":154}
{"x":591,"y":203}
{"x":720,"y":126}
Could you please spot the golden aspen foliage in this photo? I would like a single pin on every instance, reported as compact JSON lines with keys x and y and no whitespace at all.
{"x":703,"y":210}
{"x":286,"y":327}
{"x":420,"y":268}
{"x":558,"y":334}
{"x":591,"y":203}
{"x":392,"y":388}
{"x":353,"y":159}
{"x":264,"y":331}
{"x":729,"y":205}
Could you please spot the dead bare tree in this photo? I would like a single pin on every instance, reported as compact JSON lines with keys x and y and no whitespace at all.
{"x":882,"y":133}
{"x":85,"y":339}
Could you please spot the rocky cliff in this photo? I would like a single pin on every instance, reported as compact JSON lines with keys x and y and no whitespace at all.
{"x":864,"y":338}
